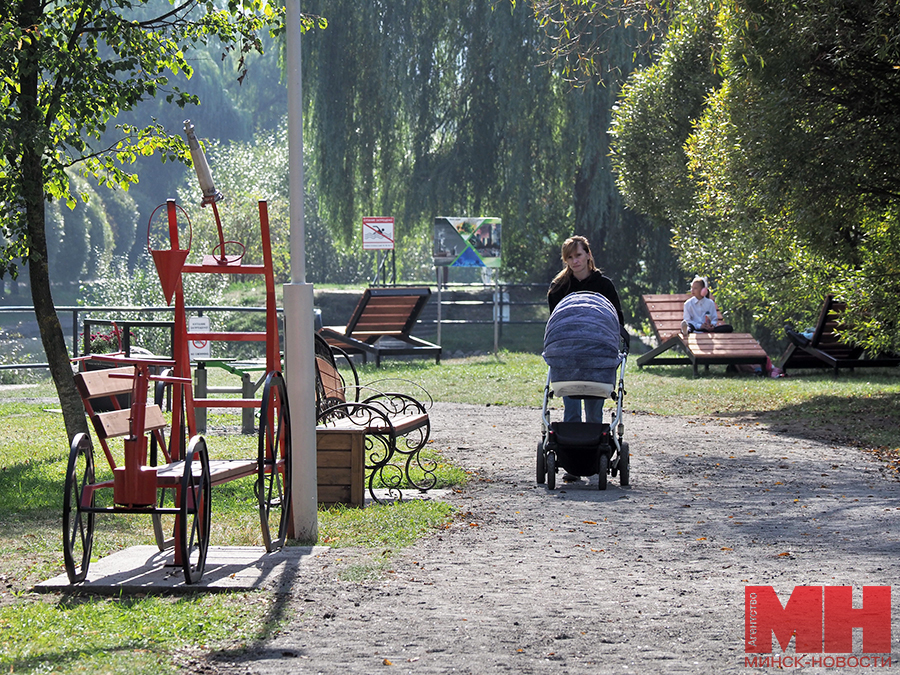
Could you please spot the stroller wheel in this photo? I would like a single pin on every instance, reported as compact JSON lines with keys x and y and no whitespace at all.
{"x":541,"y":464}
{"x":551,"y":470}
{"x":624,"y":465}
{"x":604,"y":469}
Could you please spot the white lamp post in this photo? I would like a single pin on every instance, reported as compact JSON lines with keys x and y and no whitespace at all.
{"x":298,"y":311}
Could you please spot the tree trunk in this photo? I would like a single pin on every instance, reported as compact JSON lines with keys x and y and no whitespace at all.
{"x":48,"y":323}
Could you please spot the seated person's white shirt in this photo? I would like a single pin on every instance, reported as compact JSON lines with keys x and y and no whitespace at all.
{"x":695,"y":311}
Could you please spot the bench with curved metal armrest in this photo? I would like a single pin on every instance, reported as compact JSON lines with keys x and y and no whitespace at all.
{"x":396,"y":425}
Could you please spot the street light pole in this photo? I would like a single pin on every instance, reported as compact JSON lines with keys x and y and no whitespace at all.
{"x":298,"y":311}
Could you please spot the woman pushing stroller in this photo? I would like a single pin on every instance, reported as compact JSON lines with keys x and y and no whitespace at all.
{"x":584,"y":352}
{"x":580,"y":273}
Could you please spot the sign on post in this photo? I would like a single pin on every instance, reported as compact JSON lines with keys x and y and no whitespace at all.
{"x":467,"y":242}
{"x":378,"y":233}
{"x":198,"y":350}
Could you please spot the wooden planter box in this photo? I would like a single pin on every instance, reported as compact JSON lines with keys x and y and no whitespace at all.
{"x":340,"y":466}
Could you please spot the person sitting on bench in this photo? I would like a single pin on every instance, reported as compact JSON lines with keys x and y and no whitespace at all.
{"x":700,"y":311}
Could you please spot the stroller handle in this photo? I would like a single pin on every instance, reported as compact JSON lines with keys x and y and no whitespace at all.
{"x":626,"y":339}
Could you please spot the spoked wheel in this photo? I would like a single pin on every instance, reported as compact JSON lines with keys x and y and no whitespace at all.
{"x":541,"y":464}
{"x":624,"y":465}
{"x":604,"y":470}
{"x":164,"y":523}
{"x":194,"y":511}
{"x":78,"y":526}
{"x":273,"y":482}
{"x":551,"y":470}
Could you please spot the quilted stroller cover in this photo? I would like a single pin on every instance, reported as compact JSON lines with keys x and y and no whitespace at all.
{"x":581,"y":341}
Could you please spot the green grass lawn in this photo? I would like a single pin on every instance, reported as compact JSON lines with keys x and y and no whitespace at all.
{"x":864,"y":404}
{"x":40,"y":633}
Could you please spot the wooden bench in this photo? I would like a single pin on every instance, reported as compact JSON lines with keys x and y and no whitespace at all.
{"x":340,"y":466}
{"x":826,"y":350}
{"x":381,"y":325}
{"x":666,"y":313}
{"x":396,"y":425}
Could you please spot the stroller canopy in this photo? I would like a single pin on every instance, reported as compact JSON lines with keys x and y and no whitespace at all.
{"x":581,"y":341}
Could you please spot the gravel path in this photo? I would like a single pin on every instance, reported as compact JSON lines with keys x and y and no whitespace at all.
{"x":645,"y":579}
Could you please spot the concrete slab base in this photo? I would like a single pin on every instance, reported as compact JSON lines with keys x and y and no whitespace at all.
{"x":144,"y":569}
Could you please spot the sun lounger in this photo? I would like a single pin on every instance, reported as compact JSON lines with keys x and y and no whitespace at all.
{"x":666,"y":313}
{"x":825,"y":349}
{"x":381,"y":325}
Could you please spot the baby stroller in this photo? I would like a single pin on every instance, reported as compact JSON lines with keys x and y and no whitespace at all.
{"x":584,"y":347}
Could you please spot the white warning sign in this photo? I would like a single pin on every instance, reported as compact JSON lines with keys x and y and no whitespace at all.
{"x":198,"y":350}
{"x":378,"y":233}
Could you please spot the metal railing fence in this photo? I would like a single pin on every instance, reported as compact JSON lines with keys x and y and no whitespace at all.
{"x":454,"y":304}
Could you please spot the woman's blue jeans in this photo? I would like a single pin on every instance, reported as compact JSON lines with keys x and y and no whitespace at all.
{"x":593,"y":409}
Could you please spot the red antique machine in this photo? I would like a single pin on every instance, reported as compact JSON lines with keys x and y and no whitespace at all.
{"x":170,"y":475}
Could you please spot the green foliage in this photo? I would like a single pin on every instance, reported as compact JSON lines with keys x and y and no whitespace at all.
{"x":777,"y":149}
{"x":451,"y":109}
{"x":139,"y":286}
{"x":246,"y":172}
{"x":69,"y":71}
{"x":578,"y":32}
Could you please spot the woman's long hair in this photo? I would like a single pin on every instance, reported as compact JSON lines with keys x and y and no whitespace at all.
{"x":564,"y":278}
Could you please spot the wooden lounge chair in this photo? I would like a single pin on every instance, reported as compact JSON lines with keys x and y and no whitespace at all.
{"x":825,"y":349}
{"x":666,"y":313}
{"x":381,"y":325}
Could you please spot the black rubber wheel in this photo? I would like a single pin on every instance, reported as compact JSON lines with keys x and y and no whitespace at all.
{"x":541,"y":464}
{"x":551,"y":470}
{"x":78,"y":526}
{"x":624,"y":465}
{"x":273,"y":481}
{"x":195,"y":511}
{"x":604,"y":470}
